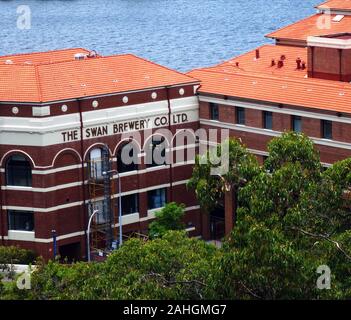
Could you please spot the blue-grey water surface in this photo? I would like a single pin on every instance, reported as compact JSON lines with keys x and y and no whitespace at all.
{"x":181,"y":34}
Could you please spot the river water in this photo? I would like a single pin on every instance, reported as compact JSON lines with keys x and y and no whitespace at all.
{"x":180,"y":34}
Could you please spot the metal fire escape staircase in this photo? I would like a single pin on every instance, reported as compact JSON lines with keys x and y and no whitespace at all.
{"x":101,"y":189}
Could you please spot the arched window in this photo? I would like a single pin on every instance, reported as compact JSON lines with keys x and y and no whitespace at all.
{"x":95,"y":167}
{"x":156,"y":152}
{"x":127,"y":158}
{"x":18,"y":171}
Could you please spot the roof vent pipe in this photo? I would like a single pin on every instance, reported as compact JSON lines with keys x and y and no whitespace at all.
{"x":280,"y":64}
{"x":273,"y":63}
{"x":298,"y":63}
{"x":303,"y":66}
{"x":257,"y":54}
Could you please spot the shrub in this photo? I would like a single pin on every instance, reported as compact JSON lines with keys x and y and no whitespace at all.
{"x":15,"y":255}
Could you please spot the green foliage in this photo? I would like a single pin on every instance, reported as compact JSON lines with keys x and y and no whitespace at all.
{"x":15,"y":255}
{"x":239,"y":166}
{"x":293,"y":147}
{"x":304,"y":215}
{"x":171,"y":267}
{"x":168,"y":218}
{"x":260,"y":263}
{"x":292,"y":218}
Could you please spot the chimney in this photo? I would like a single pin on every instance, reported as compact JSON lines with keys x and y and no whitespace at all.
{"x":280,"y":64}
{"x":257,"y":54}
{"x":329,"y":57}
{"x":298,"y":63}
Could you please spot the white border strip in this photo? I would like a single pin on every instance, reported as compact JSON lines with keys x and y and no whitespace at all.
{"x":266,"y":107}
{"x":135,"y":219}
{"x":272,"y":133}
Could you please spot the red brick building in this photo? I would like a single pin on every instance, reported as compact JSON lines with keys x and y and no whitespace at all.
{"x":59,"y":111}
{"x":64,"y":111}
{"x":301,"y":83}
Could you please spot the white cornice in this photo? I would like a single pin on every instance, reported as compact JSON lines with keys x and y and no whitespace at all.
{"x":272,"y":133}
{"x":328,"y":42}
{"x":267,"y":107}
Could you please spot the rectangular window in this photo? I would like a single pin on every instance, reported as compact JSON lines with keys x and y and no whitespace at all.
{"x":240,"y":115}
{"x":214,"y":112}
{"x":296,"y":123}
{"x":20,"y":220}
{"x":268,"y":120}
{"x":130,"y":204}
{"x":156,"y":198}
{"x":327,"y":129}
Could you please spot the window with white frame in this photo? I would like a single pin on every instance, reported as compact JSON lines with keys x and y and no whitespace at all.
{"x":20,"y":220}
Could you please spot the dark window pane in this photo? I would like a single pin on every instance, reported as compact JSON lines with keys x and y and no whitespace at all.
{"x":130,"y":204}
{"x":268,"y":120}
{"x":127,"y":158}
{"x":240,"y":115}
{"x":296,"y":124}
{"x":21,"y":220}
{"x":18,"y":171}
{"x":156,"y":198}
{"x":214,"y":111}
{"x":156,"y":153}
{"x":327,"y":129}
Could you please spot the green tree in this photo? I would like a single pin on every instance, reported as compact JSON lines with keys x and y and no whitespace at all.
{"x":292,"y":218}
{"x":171,"y":267}
{"x":168,"y":218}
{"x":240,"y":166}
{"x":293,"y":147}
{"x":216,"y":184}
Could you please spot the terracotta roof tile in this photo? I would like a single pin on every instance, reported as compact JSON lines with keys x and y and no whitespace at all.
{"x":45,"y":82}
{"x":336,"y":5}
{"x":311,"y":27}
{"x":37,"y":58}
{"x":311,"y":93}
{"x":248,"y":61}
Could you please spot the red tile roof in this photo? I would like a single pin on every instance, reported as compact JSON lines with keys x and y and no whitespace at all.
{"x":256,"y":80}
{"x":311,"y":93}
{"x":54,"y":76}
{"x":311,"y":27}
{"x":43,"y":57}
{"x":336,"y":5}
{"x":248,"y":62}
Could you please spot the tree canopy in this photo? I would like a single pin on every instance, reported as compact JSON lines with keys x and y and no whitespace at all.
{"x":293,"y":217}
{"x":168,"y":218}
